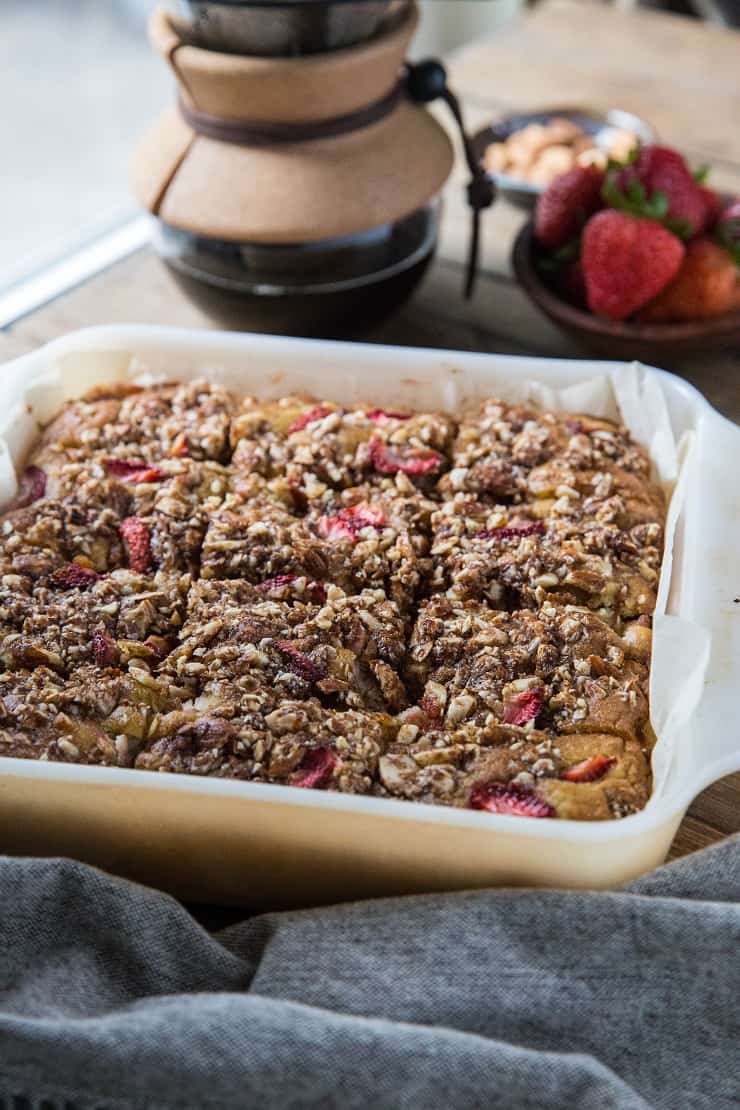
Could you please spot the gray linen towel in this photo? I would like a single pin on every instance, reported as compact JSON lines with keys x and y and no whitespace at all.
{"x":112,"y":996}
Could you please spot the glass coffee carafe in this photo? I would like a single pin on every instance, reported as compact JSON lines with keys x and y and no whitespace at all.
{"x":296,"y":186}
{"x":286,"y":28}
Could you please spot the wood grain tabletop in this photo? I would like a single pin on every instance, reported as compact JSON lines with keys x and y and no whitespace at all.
{"x":679,"y":74}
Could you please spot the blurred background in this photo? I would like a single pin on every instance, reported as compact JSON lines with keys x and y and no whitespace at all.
{"x":80,"y":85}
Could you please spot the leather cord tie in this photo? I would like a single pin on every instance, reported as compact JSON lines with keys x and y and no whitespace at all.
{"x":427,"y":81}
{"x":421,"y":83}
{"x":252,"y":133}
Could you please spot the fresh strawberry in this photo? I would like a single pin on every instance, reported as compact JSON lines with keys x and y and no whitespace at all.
{"x":704,"y":286}
{"x":509,"y":798}
{"x":566,"y":204}
{"x":72,"y":576}
{"x":105,"y":649}
{"x":316,"y":769}
{"x":524,"y":707}
{"x":31,"y":487}
{"x":348,"y":522}
{"x":298,"y":662}
{"x":660,"y":185}
{"x":134,"y":471}
{"x":385,"y":416}
{"x":512,"y":531}
{"x":589,"y":770}
{"x":626,"y":262}
{"x":135,"y":535}
{"x":316,"y":590}
{"x":310,"y":417}
{"x":408,"y":460}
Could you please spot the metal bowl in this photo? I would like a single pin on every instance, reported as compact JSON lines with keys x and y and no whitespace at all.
{"x":285,"y":28}
{"x":522,"y":193}
{"x":332,"y":287}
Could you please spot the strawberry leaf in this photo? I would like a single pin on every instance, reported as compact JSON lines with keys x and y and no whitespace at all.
{"x":701,"y":175}
{"x":619,"y":163}
{"x":658,"y":205}
{"x":612,"y":195}
{"x":733,"y":250}
{"x":556,"y":260}
{"x":727,"y":234}
{"x":635,"y":202}
{"x":679,"y":227}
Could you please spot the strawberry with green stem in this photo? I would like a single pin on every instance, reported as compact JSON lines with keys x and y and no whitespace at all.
{"x":704,"y":287}
{"x":659,"y":186}
{"x":565,"y":206}
{"x":626,"y":262}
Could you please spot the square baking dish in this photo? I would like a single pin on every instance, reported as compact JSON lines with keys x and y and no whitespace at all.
{"x":272,"y":846}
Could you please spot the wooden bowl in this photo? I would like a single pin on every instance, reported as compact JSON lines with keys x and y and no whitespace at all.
{"x":616,"y":339}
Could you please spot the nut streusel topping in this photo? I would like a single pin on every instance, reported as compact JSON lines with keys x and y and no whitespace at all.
{"x":516,"y":557}
{"x":358,"y":599}
{"x":306,"y":442}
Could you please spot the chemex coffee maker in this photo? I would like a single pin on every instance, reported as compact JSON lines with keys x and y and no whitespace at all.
{"x":295,"y":185}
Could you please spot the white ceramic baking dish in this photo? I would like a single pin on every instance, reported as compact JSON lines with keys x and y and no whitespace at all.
{"x":242,"y":843}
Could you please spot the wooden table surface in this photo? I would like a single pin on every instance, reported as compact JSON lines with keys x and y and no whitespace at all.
{"x":680,"y":75}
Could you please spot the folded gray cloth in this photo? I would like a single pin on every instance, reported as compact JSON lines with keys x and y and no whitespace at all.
{"x":112,"y":996}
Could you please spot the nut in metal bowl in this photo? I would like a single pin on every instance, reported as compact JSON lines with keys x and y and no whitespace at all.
{"x":600,"y":125}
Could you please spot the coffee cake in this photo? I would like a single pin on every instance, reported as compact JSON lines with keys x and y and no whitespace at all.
{"x":375,"y":601}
